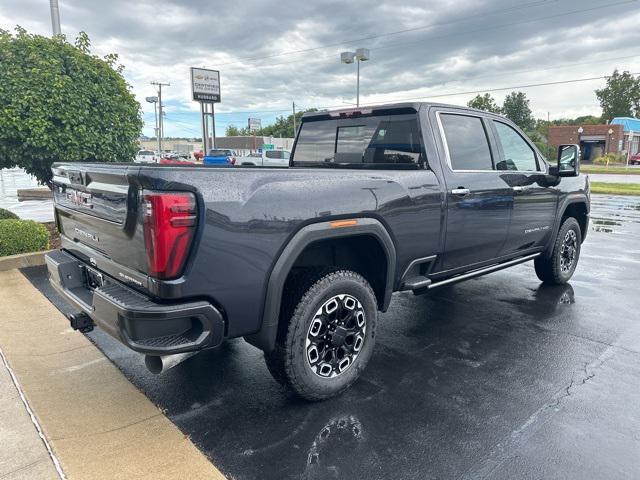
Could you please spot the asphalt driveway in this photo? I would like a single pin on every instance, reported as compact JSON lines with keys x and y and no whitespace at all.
{"x":497,"y":377}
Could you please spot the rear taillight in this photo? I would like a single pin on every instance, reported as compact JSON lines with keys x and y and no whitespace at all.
{"x":169,"y":227}
{"x":231,"y":160}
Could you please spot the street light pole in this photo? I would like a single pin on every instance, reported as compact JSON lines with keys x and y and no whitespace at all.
{"x":294,"y":119}
{"x":154,"y":100}
{"x":55,"y":17}
{"x":358,"y":83}
{"x":360,"y":55}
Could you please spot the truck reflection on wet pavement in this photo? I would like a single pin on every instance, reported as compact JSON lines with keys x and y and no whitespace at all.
{"x":496,"y":377}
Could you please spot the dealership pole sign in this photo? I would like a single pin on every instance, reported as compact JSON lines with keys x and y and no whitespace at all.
{"x":205,"y":85}
{"x":255,"y":124}
{"x":205,"y":88}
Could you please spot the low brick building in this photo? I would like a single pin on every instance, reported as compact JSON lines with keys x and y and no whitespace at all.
{"x":621,"y":135}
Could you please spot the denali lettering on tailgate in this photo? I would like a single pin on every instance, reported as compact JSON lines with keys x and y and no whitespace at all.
{"x":88,"y":235}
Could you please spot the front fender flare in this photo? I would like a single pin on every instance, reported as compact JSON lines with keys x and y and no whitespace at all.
{"x":569,"y":200}
{"x":265,"y":338}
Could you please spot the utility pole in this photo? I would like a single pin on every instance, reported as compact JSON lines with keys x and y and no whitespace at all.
{"x":55,"y":17}
{"x":160,"y":119}
{"x":358,"y":84}
{"x":294,"y":119}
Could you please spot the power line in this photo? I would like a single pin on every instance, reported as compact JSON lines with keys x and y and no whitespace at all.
{"x":386,"y":34}
{"x":396,"y":45}
{"x":510,"y":24}
{"x":486,"y":90}
{"x":507,"y":72}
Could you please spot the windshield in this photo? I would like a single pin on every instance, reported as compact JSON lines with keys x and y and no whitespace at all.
{"x":145,"y":152}
{"x":219,"y":153}
{"x":364,"y":141}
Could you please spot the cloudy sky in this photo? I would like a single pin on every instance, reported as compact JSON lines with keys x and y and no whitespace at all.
{"x":271,"y":54}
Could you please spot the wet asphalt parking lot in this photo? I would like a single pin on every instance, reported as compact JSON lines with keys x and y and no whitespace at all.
{"x":498,"y":377}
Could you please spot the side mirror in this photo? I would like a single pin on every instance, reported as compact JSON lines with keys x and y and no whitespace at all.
{"x":568,"y":161}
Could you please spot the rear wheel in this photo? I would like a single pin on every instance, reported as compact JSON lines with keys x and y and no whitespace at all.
{"x":329,"y":336}
{"x":559,"y":267}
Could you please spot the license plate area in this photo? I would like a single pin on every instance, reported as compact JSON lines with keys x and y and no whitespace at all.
{"x":93,"y":278}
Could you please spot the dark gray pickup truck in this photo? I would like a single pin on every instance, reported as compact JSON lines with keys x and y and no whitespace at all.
{"x":175,"y":259}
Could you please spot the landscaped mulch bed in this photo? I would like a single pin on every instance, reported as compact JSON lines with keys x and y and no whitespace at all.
{"x":54,"y":235}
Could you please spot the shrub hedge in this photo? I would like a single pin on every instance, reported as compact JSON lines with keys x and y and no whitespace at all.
{"x":611,"y":159}
{"x":6,"y":214}
{"x":22,"y":236}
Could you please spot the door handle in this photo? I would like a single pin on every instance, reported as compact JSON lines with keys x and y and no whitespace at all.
{"x":461,"y":191}
{"x":519,"y":188}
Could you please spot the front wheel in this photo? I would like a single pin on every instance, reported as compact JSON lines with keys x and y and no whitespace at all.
{"x":329,"y":337}
{"x":559,"y":267}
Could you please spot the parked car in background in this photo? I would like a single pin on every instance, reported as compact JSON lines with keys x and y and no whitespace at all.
{"x":219,"y":156}
{"x":169,"y":156}
{"x":634,"y":159}
{"x":176,"y":161}
{"x":146,"y":156}
{"x":268,"y":158}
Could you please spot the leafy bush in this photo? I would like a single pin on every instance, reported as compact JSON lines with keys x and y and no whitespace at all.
{"x":611,"y":159}
{"x":6,"y":214}
{"x":22,"y":236}
{"x":59,"y":103}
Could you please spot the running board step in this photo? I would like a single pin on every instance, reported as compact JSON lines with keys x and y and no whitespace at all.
{"x":482,"y":271}
{"x":416,"y":283}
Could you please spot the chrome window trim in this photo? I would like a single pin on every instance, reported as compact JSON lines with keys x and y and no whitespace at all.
{"x":445,"y":144}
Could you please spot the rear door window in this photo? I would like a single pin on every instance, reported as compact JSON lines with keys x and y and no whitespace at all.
{"x":467,"y":142}
{"x":219,"y":153}
{"x":273,"y":154}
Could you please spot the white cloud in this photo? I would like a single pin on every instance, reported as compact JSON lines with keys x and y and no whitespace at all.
{"x":464,"y":46}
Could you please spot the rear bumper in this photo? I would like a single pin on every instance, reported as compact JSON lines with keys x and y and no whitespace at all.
{"x":132,"y":318}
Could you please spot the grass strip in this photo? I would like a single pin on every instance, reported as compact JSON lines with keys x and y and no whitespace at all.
{"x":613,"y":170}
{"x":615,"y":188}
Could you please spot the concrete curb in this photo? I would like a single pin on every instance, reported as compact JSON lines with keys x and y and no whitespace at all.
{"x":42,"y":193}
{"x":98,"y":424}
{"x":22,"y":260}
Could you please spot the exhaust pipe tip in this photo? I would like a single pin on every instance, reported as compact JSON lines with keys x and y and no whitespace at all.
{"x":157,"y":364}
{"x":153,"y":363}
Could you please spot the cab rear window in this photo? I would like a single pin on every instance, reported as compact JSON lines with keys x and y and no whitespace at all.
{"x":378,"y":140}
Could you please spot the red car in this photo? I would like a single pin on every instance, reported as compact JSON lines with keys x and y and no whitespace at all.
{"x":634,"y":159}
{"x":175,"y":161}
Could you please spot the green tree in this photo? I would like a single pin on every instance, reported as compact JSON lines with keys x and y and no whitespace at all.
{"x":484,"y":102}
{"x":58,"y":102}
{"x":283,"y":126}
{"x":232,"y":131}
{"x":621,"y":96}
{"x":516,"y":108}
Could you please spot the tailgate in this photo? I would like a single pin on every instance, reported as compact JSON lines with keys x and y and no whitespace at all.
{"x":98,"y":215}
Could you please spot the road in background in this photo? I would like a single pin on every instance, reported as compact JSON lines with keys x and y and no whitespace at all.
{"x":497,"y":377}
{"x":13,"y":179}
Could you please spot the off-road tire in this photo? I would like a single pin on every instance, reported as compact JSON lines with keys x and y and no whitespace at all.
{"x":549,"y":269}
{"x":309,"y":290}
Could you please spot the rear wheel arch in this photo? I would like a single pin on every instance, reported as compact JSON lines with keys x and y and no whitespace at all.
{"x":368,"y":238}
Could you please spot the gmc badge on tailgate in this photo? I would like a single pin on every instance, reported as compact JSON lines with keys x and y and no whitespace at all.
{"x":81,"y":199}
